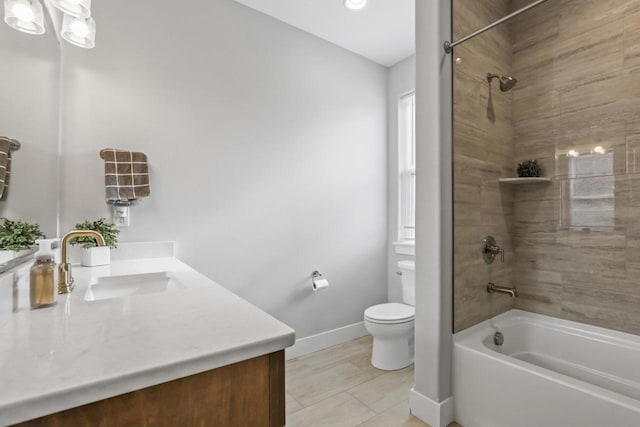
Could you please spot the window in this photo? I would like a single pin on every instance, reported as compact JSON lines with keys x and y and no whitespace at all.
{"x":407,"y":168}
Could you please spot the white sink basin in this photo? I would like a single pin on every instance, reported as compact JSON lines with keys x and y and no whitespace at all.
{"x":109,"y":287}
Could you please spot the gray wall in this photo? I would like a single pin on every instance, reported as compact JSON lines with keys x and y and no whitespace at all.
{"x":402,"y":79}
{"x":431,"y":396}
{"x":267,"y":149}
{"x":29,"y":100}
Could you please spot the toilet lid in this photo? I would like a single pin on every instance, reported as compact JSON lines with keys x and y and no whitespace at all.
{"x":390,"y":312}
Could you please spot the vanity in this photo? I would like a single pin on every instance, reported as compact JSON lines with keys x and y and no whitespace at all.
{"x":146,"y":341}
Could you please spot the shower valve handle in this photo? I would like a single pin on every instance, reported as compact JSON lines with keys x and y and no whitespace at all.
{"x":495,"y":250}
{"x":490,"y":249}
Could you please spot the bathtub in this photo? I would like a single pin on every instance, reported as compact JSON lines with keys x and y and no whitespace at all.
{"x":548,"y":372}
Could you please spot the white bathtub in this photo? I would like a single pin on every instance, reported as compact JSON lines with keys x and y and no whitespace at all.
{"x":549,"y":372}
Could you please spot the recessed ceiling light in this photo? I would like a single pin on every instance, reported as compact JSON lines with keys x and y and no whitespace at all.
{"x":355,"y":4}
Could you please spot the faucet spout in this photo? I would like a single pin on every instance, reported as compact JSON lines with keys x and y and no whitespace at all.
{"x":492,"y":287}
{"x":65,"y":279}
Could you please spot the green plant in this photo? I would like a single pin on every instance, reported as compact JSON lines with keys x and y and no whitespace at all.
{"x":529,"y":168}
{"x":108,"y":231}
{"x":17,"y":235}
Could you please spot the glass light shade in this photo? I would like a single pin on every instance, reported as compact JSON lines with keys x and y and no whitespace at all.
{"x":77,"y":8}
{"x":24,"y":15}
{"x":80,"y":32}
{"x":355,"y":4}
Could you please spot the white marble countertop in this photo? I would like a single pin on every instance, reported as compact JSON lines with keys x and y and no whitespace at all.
{"x":78,"y":351}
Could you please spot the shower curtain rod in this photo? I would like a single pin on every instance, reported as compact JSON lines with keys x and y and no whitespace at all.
{"x":448,"y":46}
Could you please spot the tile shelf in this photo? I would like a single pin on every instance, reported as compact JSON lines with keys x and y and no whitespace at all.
{"x":516,"y":181}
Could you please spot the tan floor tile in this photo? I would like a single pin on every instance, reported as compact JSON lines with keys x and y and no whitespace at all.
{"x":291,"y":404}
{"x":316,"y":376}
{"x":319,"y":385}
{"x":385,"y":391}
{"x":396,"y":416}
{"x":359,"y":350}
{"x":341,"y":410}
{"x":339,"y":387}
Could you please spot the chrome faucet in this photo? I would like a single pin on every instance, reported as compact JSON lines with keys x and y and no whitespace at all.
{"x":492,"y":287}
{"x":65,"y":279}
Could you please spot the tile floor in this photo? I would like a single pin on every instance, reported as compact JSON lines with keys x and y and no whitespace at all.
{"x":338,"y":387}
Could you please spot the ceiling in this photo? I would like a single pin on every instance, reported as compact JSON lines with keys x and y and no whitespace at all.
{"x":383,"y":32}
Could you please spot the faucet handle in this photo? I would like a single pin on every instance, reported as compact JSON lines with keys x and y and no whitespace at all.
{"x":490,"y":249}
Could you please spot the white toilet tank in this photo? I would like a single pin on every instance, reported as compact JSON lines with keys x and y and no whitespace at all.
{"x":408,"y":279}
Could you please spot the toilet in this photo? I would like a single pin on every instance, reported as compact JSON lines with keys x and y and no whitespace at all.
{"x":392,"y":325}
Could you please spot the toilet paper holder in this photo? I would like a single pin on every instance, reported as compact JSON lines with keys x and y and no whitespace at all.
{"x":318,"y":282}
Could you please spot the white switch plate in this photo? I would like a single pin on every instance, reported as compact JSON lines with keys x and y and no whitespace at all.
{"x":121,"y":216}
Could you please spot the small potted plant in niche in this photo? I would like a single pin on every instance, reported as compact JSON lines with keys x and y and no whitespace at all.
{"x":92,"y":254}
{"x":18,"y":236}
{"x":529,"y":169}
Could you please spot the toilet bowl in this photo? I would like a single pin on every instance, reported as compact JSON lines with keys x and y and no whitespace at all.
{"x":392,"y":325}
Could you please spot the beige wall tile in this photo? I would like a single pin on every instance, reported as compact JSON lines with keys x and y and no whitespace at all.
{"x":630,"y":40}
{"x":539,"y":26}
{"x":578,"y":68}
{"x":483,"y":153}
{"x":580,"y":17}
{"x":575,"y":242}
{"x":615,"y":310}
{"x":595,"y":52}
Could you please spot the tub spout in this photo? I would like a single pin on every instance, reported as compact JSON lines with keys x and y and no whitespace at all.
{"x":491,"y":288}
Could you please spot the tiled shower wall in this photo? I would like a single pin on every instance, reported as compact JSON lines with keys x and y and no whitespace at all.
{"x":572,"y":245}
{"x":576,"y":108}
{"x":483,"y":152}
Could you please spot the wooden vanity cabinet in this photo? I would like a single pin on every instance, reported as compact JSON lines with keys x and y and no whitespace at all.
{"x":250,"y":393}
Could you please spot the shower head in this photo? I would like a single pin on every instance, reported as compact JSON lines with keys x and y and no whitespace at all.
{"x":506,"y":82}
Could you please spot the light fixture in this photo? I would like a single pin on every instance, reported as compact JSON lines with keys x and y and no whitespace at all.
{"x":573,"y":153}
{"x":24,"y":15}
{"x":77,"y":8}
{"x":599,"y":149}
{"x":80,"y":32}
{"x":355,"y":4}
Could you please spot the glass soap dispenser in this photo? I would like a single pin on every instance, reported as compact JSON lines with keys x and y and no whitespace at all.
{"x":44,"y":276}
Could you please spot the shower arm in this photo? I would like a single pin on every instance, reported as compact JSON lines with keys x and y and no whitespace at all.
{"x":448,"y":46}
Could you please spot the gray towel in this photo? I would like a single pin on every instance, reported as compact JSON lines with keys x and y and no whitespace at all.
{"x":126,"y":175}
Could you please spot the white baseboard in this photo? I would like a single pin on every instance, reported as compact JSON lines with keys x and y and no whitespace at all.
{"x":436,"y":414}
{"x":326,"y":339}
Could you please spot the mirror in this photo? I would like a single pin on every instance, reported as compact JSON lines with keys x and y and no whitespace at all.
{"x":29,"y":112}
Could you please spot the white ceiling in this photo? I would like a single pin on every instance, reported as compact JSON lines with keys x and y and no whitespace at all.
{"x":384,"y":31}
